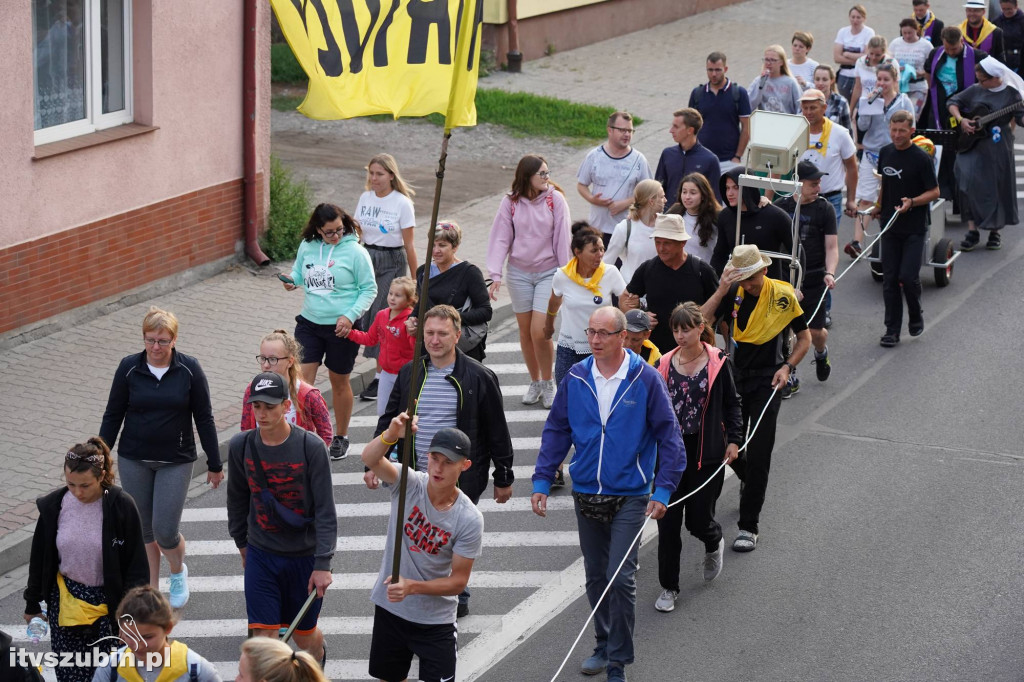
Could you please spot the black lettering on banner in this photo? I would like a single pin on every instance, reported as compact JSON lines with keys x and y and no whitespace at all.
{"x":478,"y":18}
{"x":380,"y":45}
{"x":355,"y":44}
{"x":330,"y":59}
{"x":424,"y":13}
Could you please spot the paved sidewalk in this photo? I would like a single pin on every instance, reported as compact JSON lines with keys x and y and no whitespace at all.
{"x":60,"y":382}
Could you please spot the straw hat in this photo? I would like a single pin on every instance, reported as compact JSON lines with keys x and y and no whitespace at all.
{"x":747,"y":260}
{"x":670,"y":226}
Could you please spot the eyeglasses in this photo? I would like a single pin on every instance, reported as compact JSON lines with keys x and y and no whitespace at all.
{"x":768,"y":60}
{"x":544,"y":174}
{"x":268,"y":360}
{"x":94,"y":459}
{"x":331,"y":233}
{"x":601,"y":333}
{"x":623,"y":130}
{"x":163,"y":343}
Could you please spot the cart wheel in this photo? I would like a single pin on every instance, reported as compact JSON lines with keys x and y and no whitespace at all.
{"x":876,"y":268}
{"x":943,"y":252}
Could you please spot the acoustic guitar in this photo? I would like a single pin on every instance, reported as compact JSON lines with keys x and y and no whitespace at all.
{"x":981,"y":116}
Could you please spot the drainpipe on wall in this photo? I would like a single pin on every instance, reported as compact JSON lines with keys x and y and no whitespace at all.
{"x":252,"y":245}
{"x":514,"y":56}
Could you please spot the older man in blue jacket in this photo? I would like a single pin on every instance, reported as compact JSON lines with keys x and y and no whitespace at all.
{"x":614,"y":408}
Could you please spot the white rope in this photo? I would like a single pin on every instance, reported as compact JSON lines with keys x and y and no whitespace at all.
{"x":642,"y":527}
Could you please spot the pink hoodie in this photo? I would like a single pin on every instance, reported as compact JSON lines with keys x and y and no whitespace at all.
{"x":541,"y":237}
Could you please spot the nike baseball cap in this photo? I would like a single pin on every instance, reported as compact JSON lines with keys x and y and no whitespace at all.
{"x":269,"y":388}
{"x":452,"y":443}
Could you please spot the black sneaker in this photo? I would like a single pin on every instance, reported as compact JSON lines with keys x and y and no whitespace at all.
{"x":994,"y":242}
{"x":822,"y":366}
{"x":370,"y":392}
{"x":916,"y":327}
{"x":792,"y":386}
{"x":970,"y":240}
{"x":889,"y":341}
{"x":462,"y":610}
{"x":339,"y":448}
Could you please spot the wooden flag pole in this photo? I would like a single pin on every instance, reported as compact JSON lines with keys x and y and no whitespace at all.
{"x":417,"y":364}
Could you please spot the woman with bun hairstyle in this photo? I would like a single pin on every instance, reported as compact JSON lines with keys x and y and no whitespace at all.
{"x":271,"y":660}
{"x":281,"y":353}
{"x":156,"y":396}
{"x":336,"y":273}
{"x":531,"y":232}
{"x":704,"y":398}
{"x":87,"y":552}
{"x":631,"y":239}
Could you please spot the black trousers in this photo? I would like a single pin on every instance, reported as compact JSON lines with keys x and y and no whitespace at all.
{"x":753,"y":464}
{"x":901,"y":269}
{"x":698,"y":510}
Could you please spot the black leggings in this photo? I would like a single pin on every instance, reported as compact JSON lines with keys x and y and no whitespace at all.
{"x":698,"y":510}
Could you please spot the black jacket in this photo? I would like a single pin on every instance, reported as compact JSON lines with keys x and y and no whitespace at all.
{"x":158,"y":414}
{"x":125,"y":564}
{"x":769,"y":228}
{"x":480,"y":414}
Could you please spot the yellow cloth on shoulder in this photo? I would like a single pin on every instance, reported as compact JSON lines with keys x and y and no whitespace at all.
{"x":986,"y":28}
{"x":177,"y":668}
{"x":593,"y":284}
{"x":74,"y":611}
{"x":776,"y":307}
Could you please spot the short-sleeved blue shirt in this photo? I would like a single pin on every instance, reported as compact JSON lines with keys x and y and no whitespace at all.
{"x":722,"y":112}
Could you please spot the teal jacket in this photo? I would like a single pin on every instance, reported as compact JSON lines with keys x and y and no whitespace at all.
{"x":338,"y":280}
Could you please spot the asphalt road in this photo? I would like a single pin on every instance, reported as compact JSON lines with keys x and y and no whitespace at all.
{"x":891,"y":535}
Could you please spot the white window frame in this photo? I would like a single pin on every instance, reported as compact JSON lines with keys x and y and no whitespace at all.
{"x":94,"y":118}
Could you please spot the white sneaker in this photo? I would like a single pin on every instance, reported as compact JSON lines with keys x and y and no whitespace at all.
{"x":713,"y":562}
{"x":532,"y":394}
{"x":666,"y":601}
{"x":547,"y":394}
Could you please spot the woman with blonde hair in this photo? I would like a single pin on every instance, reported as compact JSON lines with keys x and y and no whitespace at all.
{"x":280,"y":352}
{"x":631,"y":239}
{"x":157,"y":394}
{"x":388,"y":221}
{"x":775,"y":89}
{"x":271,"y":660}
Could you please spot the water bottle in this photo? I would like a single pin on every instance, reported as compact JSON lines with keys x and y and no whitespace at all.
{"x":36,"y":629}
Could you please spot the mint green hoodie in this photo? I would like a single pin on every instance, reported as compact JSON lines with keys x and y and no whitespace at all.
{"x":338,"y":280}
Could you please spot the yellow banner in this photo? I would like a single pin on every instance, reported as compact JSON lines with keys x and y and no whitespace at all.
{"x":399,"y":57}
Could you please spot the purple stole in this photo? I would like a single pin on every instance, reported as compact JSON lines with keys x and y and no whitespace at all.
{"x":968,"y":57}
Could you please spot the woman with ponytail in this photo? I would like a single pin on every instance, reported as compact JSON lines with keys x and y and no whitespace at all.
{"x":704,"y":398}
{"x":281,"y":353}
{"x":271,"y":660}
{"x":87,"y":552}
{"x":336,"y":273}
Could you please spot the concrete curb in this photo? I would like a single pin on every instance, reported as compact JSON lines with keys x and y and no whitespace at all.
{"x":16,"y":546}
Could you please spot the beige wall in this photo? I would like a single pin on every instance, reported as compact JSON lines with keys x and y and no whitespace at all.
{"x":187,"y":82}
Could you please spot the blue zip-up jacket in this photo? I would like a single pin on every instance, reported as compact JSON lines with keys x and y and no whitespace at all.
{"x":616,"y":457}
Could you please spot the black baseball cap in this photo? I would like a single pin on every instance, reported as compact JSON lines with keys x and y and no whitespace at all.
{"x":452,"y":443}
{"x":808,"y":171}
{"x":638,"y":321}
{"x":269,"y":388}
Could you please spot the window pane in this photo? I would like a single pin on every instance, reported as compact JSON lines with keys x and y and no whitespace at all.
{"x":59,"y":57}
{"x":112,"y":54}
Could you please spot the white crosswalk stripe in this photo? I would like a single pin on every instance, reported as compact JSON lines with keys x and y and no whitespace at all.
{"x":517,"y":417}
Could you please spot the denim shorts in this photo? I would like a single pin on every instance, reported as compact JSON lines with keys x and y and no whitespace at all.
{"x":319,"y":344}
{"x":529,"y":290}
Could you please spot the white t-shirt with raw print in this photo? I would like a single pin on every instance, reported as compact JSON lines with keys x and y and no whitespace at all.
{"x":384,"y":218}
{"x":429,"y":539}
{"x":579,"y":303}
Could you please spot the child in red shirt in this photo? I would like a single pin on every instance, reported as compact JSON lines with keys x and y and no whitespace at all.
{"x":388,"y":330}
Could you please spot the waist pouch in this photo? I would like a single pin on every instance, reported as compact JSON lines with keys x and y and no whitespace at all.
{"x":601,"y":508}
{"x":75,"y":611}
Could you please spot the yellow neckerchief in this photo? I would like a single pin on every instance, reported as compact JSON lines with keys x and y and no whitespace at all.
{"x":653,"y":354}
{"x":74,"y":611}
{"x":593,"y":284}
{"x":826,"y":132}
{"x":986,"y":28}
{"x":925,"y":25}
{"x":178,"y":667}
{"x":776,"y":307}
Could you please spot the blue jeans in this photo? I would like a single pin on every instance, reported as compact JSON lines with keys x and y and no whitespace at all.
{"x":565,"y":358}
{"x":603,"y":546}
